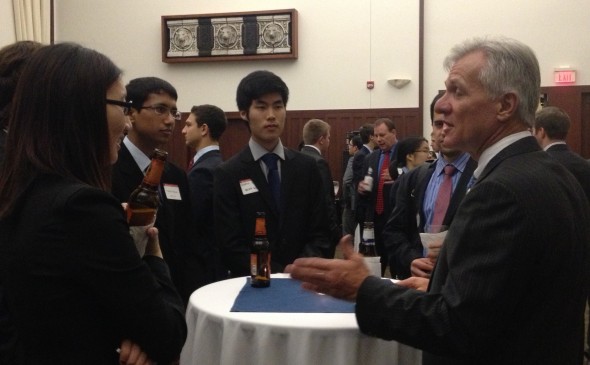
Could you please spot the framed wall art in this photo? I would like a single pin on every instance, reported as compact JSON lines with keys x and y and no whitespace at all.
{"x":259,"y":35}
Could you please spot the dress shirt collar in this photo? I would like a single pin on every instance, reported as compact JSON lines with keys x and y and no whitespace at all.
{"x":460,"y":163}
{"x":204,"y":150}
{"x":140,"y":158}
{"x":258,"y":151}
{"x":493,"y":150}
{"x":553,"y":144}
{"x":314,"y":147}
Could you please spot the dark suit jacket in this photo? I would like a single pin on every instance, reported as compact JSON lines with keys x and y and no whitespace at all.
{"x":174,"y":217}
{"x":575,"y":164}
{"x":328,"y":185}
{"x":206,"y":252}
{"x":511,"y":279}
{"x":2,"y":146}
{"x":402,"y":232}
{"x":75,"y":283}
{"x":300,"y":231}
{"x":358,"y":161}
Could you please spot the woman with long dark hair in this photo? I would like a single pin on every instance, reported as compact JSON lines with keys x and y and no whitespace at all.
{"x":75,"y":285}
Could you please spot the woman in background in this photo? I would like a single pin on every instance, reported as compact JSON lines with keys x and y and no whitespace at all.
{"x":411,"y":153}
{"x":12,"y":59}
{"x":75,"y":286}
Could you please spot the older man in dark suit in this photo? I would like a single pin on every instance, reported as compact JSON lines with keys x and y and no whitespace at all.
{"x":373,"y":198}
{"x":512,"y":277}
{"x":153,"y":117}
{"x":267,"y":177}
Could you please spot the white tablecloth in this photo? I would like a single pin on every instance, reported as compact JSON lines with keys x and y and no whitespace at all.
{"x":218,"y":336}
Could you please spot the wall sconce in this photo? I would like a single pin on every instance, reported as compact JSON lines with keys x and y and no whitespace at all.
{"x":398,"y":83}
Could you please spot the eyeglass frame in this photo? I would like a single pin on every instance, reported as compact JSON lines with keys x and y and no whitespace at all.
{"x":423,"y":150}
{"x":165,"y":110}
{"x":126,"y":105}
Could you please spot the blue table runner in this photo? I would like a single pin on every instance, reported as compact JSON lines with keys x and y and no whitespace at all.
{"x":286,"y":295}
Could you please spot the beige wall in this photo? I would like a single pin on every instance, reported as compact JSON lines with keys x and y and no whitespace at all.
{"x":342,"y":44}
{"x":7,"y":32}
{"x":337,"y":54}
{"x":556,"y":30}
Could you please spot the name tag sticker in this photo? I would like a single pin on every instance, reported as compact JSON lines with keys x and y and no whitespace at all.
{"x":172,"y":192}
{"x":248,"y":187}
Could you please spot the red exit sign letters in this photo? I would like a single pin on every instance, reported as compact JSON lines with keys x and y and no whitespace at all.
{"x":564,"y":76}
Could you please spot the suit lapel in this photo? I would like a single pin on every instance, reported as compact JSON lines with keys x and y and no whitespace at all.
{"x":254,"y":171}
{"x":128,"y":168}
{"x":460,"y":190}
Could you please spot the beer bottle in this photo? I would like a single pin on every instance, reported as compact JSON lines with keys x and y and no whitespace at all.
{"x":144,"y":201}
{"x":260,"y":254}
{"x":369,"y":180}
{"x":367,"y":246}
{"x":368,"y":250}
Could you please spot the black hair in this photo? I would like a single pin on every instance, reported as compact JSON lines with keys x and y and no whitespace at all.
{"x":257,"y":84}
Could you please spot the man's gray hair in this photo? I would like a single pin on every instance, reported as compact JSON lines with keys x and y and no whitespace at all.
{"x":511,"y":67}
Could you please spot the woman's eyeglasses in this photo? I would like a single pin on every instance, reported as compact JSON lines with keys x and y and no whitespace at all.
{"x":126,"y":105}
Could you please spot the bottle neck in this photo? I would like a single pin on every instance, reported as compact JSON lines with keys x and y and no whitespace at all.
{"x":154,"y":173}
{"x":260,"y":229}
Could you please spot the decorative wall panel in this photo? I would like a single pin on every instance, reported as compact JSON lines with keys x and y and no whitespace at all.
{"x":232,"y":36}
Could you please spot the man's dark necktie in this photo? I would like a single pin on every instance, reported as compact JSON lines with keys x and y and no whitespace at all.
{"x":274,"y":181}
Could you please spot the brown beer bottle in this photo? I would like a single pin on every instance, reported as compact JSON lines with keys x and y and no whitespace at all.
{"x":260,"y":254}
{"x":144,"y":201}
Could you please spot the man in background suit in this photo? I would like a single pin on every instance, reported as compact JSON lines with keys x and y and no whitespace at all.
{"x":153,"y":117}
{"x":368,"y":139}
{"x":358,"y":161}
{"x":348,"y":190}
{"x":267,"y":177}
{"x":373,"y":200}
{"x":202,"y":130}
{"x":551,"y":128}
{"x":414,"y":209}
{"x":316,"y":136}
{"x":512,"y":277}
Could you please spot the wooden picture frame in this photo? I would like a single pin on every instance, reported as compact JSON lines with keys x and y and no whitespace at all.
{"x":259,"y":35}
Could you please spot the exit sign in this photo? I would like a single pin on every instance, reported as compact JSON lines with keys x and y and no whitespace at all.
{"x":564,"y":76}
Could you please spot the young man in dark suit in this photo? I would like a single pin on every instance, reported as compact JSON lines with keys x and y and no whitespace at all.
{"x":316,"y":139}
{"x":358,"y":161}
{"x":368,"y":139}
{"x":202,"y":130}
{"x":512,"y":277}
{"x":153,"y":117}
{"x":267,"y":177}
{"x":551,"y":128}
{"x":415,"y":205}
